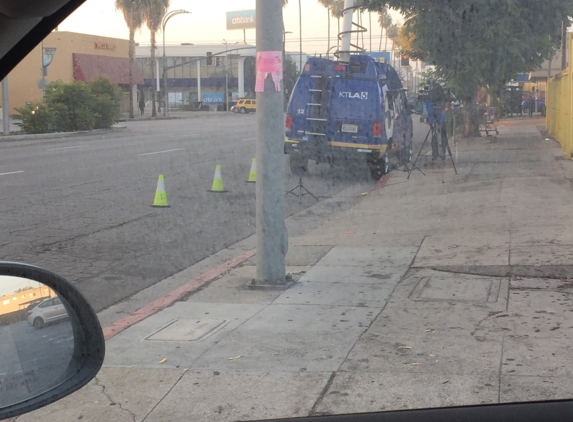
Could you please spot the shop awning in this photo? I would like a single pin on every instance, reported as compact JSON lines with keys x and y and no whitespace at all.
{"x":89,"y":66}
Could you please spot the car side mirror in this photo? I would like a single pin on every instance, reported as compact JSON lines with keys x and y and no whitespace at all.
{"x":51,"y":341}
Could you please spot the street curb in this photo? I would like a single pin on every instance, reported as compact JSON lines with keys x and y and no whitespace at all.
{"x":52,"y":135}
{"x":175,"y":296}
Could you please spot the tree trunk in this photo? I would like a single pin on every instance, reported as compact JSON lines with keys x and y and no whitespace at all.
{"x":131,"y":60}
{"x":471,"y":118}
{"x":153,"y":76}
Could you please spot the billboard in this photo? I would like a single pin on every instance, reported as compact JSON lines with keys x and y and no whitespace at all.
{"x":244,"y":19}
{"x":213,"y":99}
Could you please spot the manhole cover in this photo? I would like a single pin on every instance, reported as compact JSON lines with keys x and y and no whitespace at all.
{"x":187,"y":330}
{"x":464,"y":289}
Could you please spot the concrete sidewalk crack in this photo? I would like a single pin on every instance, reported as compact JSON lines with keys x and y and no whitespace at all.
{"x":500,"y":369}
{"x":111,"y":401}
{"x":165,"y":395}
{"x":477,"y":326}
{"x":330,"y":381}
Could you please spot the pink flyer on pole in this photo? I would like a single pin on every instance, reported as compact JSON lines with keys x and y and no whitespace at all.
{"x":269,"y":62}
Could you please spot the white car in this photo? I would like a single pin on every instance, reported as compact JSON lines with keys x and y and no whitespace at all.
{"x":48,"y":311}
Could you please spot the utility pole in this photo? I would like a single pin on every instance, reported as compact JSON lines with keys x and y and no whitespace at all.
{"x":5,"y":106}
{"x":347,"y":30}
{"x":300,"y":38}
{"x":272,"y":238}
{"x":226,"y":77}
{"x":163,"y":25}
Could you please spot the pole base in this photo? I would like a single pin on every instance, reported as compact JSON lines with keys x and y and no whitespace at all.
{"x":260,"y":285}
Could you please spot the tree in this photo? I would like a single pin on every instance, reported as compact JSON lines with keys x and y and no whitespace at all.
{"x":480,"y":42}
{"x":154,"y":11}
{"x":385,"y":21}
{"x":290,"y":75}
{"x":132,"y":13}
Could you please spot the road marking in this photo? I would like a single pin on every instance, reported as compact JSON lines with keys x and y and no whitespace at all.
{"x":78,"y":146}
{"x":250,"y":139}
{"x":161,"y":152}
{"x":12,"y":172}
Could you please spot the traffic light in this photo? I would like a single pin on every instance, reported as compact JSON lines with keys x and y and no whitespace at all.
{"x":217,"y":61}
{"x":209,"y":58}
{"x":405,"y":60}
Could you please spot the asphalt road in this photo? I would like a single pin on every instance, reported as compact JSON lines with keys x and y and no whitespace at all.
{"x":82,"y":206}
{"x":32,"y":359}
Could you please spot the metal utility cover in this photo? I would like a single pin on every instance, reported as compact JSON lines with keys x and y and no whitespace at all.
{"x":187,"y":330}
{"x":463,"y":289}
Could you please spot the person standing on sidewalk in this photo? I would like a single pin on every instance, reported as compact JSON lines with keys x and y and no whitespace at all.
{"x":142,"y":104}
{"x":530,"y":105}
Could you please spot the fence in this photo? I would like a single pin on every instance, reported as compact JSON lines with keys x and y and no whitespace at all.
{"x":560,"y":105}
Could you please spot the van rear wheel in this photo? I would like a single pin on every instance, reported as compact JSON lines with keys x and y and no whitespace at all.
{"x":298,"y":164}
{"x":379,"y":167}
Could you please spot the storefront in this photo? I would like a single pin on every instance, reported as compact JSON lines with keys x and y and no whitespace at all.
{"x":76,"y":56}
{"x":199,"y":74}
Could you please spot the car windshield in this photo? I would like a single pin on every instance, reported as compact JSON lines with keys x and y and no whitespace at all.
{"x":294,"y":209}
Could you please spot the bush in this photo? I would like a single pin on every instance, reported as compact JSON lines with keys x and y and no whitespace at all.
{"x":70,"y":107}
{"x":35,"y":118}
{"x":73,"y":105}
{"x":107,"y":99}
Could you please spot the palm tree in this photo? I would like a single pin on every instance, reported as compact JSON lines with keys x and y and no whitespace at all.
{"x":132,"y":13}
{"x":327,"y":4}
{"x":154,"y":11}
{"x":385,"y":21}
{"x":336,"y":10}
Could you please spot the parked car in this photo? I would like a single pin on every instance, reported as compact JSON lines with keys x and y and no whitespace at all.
{"x":246,"y":105}
{"x":48,"y":311}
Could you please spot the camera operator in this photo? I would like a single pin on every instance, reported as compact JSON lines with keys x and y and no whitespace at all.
{"x":435,"y":98}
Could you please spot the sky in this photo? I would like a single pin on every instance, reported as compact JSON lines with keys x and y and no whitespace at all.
{"x":207,"y":24}
{"x":9,"y":285}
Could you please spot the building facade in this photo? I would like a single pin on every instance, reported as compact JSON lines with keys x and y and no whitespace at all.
{"x":77,"y":57}
{"x":198,"y":75}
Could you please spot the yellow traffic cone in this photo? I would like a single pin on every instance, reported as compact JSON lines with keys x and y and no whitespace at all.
{"x":253,"y":172}
{"x":160,"y":194}
{"x":217,"y":181}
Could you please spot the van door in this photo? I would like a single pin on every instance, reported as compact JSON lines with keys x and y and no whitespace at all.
{"x":354,"y":108}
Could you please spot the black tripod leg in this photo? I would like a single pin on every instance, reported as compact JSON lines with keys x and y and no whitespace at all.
{"x":309,"y":192}
{"x":452,"y":158}
{"x":418,"y":156}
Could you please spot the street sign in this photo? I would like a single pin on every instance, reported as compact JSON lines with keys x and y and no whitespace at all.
{"x":244,"y":19}
{"x":48,"y":56}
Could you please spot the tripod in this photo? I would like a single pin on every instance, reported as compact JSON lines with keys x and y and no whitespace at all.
{"x":434,"y":131}
{"x":300,"y":193}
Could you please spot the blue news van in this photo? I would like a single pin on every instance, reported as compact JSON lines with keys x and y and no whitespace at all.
{"x":348,"y":112}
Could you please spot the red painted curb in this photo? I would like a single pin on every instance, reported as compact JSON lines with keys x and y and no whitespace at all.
{"x":174,"y":296}
{"x":382,"y":182}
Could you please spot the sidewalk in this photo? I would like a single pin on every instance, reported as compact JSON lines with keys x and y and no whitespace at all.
{"x":174,"y":114}
{"x":436,"y":291}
